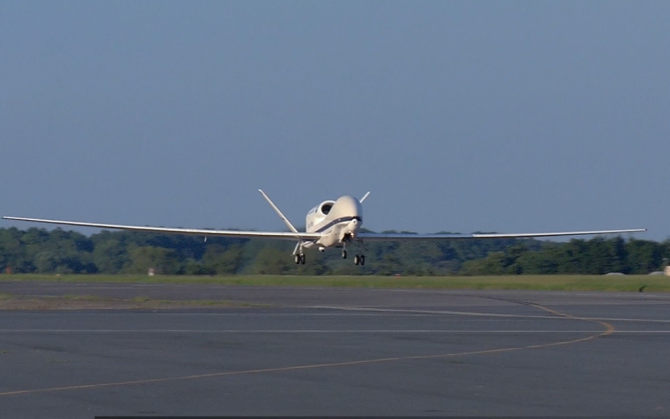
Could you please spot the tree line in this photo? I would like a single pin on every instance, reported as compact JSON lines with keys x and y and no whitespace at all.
{"x":67,"y":252}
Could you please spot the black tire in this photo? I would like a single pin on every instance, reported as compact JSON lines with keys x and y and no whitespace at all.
{"x":344,"y":254}
{"x":362,"y":260}
{"x":302,"y":259}
{"x":356,"y":260}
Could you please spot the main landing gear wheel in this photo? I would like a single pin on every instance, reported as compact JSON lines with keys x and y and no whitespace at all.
{"x":300,"y":259}
{"x":344,"y":254}
{"x":359,"y":260}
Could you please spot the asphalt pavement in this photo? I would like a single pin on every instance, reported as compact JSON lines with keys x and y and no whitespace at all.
{"x":321,"y":351}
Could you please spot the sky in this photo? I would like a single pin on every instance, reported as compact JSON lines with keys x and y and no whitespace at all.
{"x":517,"y":116}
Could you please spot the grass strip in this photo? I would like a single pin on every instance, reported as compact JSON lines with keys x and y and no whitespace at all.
{"x":630,"y":283}
{"x":14,"y":302}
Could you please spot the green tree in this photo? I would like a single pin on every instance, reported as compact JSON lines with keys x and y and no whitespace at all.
{"x":272,"y":261}
{"x":110,"y":256}
{"x":222,"y":261}
{"x":643,"y":256}
{"x":164,"y":261}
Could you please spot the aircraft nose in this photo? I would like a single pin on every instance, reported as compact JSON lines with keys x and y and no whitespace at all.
{"x":353,"y":227}
{"x":349,"y":206}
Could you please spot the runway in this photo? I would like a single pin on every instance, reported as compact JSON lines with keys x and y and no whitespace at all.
{"x":318,"y":351}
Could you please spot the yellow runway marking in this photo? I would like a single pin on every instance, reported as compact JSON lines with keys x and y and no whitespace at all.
{"x":609,"y":329}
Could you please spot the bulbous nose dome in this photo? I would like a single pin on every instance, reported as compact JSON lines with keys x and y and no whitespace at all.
{"x":348,"y":206}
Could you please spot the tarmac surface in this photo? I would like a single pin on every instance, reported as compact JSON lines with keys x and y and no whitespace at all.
{"x":324,"y":351}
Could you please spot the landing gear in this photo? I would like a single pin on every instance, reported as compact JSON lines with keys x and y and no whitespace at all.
{"x":360,"y":258}
{"x":298,"y":255}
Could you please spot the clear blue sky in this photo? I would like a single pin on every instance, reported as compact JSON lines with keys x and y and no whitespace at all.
{"x":458,"y":116}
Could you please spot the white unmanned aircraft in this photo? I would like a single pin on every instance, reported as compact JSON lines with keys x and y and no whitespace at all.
{"x":329,"y":224}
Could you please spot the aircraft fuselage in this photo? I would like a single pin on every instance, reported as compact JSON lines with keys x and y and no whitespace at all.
{"x":338,"y":221}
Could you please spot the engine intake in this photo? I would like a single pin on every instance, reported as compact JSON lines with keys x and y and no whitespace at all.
{"x":325,"y":207}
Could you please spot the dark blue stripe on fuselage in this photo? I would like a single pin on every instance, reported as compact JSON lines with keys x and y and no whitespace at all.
{"x":337,"y":221}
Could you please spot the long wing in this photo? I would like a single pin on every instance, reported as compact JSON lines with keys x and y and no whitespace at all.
{"x":410,"y":236}
{"x":197,"y":232}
